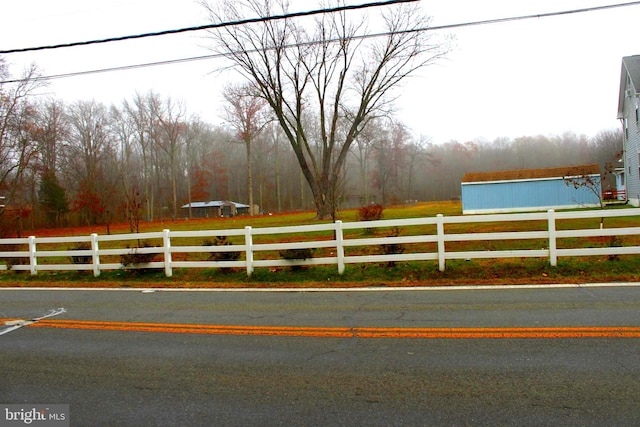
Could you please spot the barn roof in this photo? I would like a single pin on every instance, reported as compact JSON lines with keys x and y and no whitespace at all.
{"x":530,"y":174}
{"x":214,"y":204}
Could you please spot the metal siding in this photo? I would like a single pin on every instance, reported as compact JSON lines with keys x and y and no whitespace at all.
{"x":525,"y":194}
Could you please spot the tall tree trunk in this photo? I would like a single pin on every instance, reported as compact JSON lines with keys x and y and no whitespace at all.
{"x":249,"y":176}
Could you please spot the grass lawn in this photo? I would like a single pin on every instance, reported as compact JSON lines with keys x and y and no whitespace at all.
{"x":458,"y":272}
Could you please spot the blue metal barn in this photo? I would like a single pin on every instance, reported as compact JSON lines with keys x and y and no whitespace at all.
{"x":531,"y":190}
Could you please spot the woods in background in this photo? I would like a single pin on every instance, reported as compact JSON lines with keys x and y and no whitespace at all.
{"x":88,"y":163}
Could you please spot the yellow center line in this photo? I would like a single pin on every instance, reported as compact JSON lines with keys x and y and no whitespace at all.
{"x":346,"y":332}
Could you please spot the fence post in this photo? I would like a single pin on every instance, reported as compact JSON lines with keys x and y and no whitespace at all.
{"x":441,"y":248}
{"x":339,"y":246}
{"x":166,"y":239}
{"x":95,"y":255}
{"x":33,"y":260}
{"x":248,"y":241}
{"x":553,"y":248}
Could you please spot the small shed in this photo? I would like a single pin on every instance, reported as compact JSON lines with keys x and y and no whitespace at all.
{"x":216,"y":209}
{"x":528,"y":190}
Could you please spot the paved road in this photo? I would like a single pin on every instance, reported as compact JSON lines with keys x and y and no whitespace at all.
{"x":136,"y":378}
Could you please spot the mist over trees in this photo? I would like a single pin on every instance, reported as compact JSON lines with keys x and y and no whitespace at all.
{"x":84,"y":162}
{"x":453,"y":159}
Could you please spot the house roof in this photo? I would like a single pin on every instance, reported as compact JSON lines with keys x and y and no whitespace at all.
{"x":631,"y":69}
{"x":214,"y":204}
{"x":530,"y":174}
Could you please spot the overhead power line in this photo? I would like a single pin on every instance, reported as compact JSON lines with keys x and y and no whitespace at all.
{"x":539,"y":15}
{"x":211,"y":26}
{"x":364,"y":36}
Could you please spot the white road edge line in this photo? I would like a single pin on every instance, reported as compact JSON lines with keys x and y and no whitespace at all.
{"x":363,"y":289}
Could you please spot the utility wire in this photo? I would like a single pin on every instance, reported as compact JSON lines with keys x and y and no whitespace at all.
{"x":365,"y":36}
{"x":540,"y":15}
{"x":212,"y":26}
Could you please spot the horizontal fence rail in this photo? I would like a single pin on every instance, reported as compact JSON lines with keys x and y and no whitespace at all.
{"x":436,"y":239}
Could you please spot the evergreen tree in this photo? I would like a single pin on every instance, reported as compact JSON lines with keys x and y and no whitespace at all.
{"x":52,"y":198}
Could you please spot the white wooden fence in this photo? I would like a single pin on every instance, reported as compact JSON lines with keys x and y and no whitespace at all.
{"x":338,"y":243}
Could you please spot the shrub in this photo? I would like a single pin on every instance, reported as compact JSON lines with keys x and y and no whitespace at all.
{"x":615,"y":242}
{"x":81,"y":259}
{"x":296,"y":254}
{"x":221,"y":256}
{"x":10,"y":262}
{"x":292,"y":254}
{"x":370,"y":212}
{"x":393,"y":248}
{"x":134,"y":258}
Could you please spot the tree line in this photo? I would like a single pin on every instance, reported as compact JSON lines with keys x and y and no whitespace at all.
{"x":142,"y":160}
{"x":453,"y":159}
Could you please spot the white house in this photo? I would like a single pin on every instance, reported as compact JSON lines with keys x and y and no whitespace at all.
{"x":629,"y":115}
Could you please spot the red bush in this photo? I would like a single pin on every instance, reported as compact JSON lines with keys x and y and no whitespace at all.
{"x":370,"y":213}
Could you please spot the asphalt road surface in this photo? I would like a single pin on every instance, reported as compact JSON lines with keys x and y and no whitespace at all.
{"x":563,"y":356}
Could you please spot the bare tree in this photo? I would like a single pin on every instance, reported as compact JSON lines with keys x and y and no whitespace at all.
{"x":17,"y":124}
{"x":244,"y":112}
{"x":170,"y":136}
{"x":608,"y":151}
{"x":582,"y":177}
{"x":391,"y":159}
{"x":326,"y":72}
{"x":129,"y":166}
{"x":364,"y":147}
{"x":195,"y":134}
{"x":89,"y":158}
{"x":139,"y":112}
{"x":274,"y":136}
{"x":419,"y":157}
{"x":51,"y":133}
